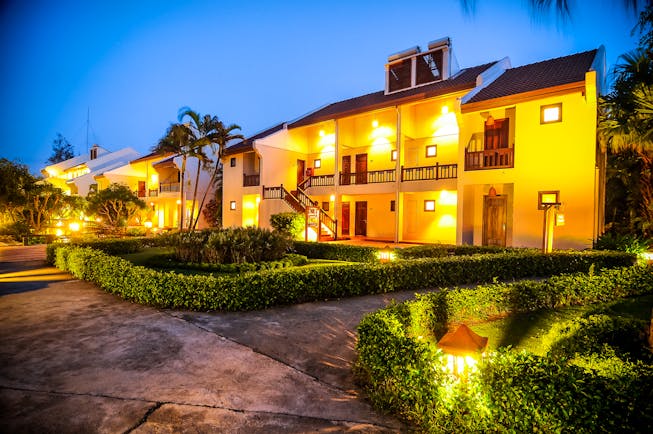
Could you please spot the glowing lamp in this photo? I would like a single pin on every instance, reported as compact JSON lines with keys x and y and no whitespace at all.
{"x":148,"y":224}
{"x":560,"y":219}
{"x":375,"y":123}
{"x":386,"y":255}
{"x":59,"y":233}
{"x":74,"y":226}
{"x":462,"y":348}
{"x":332,"y":198}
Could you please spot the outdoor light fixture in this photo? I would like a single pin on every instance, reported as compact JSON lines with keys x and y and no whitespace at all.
{"x":148,"y":224}
{"x":431,"y":151}
{"x":317,"y":163}
{"x":74,"y":226}
{"x":386,"y":255}
{"x":429,"y":205}
{"x":548,"y":201}
{"x":375,"y":123}
{"x":232,"y":205}
{"x":462,"y":348}
{"x":551,"y":113}
{"x":393,"y":155}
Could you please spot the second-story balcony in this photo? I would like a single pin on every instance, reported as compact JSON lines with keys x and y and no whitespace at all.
{"x":481,"y":154}
{"x":427,"y":173}
{"x":369,"y":177}
{"x":251,"y":180}
{"x":169,"y":187}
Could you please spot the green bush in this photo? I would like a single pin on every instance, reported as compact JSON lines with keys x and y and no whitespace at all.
{"x":336,"y":252}
{"x":622,"y":242}
{"x":168,"y":261}
{"x":112,"y":246}
{"x":291,"y":223}
{"x":511,"y":392}
{"x":441,"y":250}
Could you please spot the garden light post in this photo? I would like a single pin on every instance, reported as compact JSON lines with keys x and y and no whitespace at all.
{"x":462,"y":348}
{"x":548,"y":201}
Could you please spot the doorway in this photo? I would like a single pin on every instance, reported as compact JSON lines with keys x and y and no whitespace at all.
{"x":360,"y":224}
{"x":345,"y":174}
{"x":361,"y":168}
{"x":344,"y":223}
{"x":494,"y":220}
{"x":301,"y":167}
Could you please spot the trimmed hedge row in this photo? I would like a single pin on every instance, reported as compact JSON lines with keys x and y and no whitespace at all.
{"x":344,"y":252}
{"x":512,"y":392}
{"x":111,"y":246}
{"x":168,"y":261}
{"x":251,"y":291}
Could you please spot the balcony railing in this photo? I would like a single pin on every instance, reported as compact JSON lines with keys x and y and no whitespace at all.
{"x":168,"y":187}
{"x":251,"y":180}
{"x":426,"y":173}
{"x":317,"y":181}
{"x":153,"y":192}
{"x":490,"y":159}
{"x":371,"y":177}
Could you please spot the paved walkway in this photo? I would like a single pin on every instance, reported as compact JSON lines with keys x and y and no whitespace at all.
{"x":74,"y":359}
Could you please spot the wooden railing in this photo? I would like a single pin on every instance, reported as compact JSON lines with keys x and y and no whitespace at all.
{"x":489,"y":159}
{"x":251,"y":180}
{"x":370,"y":177}
{"x":168,"y":187}
{"x":439,"y":171}
{"x":317,"y":181}
{"x":299,"y":202}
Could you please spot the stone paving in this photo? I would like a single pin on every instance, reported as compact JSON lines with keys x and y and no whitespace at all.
{"x":75,"y":359}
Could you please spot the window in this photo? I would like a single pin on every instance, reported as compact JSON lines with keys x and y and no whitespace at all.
{"x":317,"y":163}
{"x":392,"y":206}
{"x":429,"y":205}
{"x":325,"y":206}
{"x":496,"y":133}
{"x":393,"y":155}
{"x":551,"y":113}
{"x":432,"y":150}
{"x":232,"y":205}
{"x":232,"y":162}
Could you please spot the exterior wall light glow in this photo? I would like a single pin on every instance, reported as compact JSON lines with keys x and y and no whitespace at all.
{"x":431,"y":151}
{"x":393,"y":155}
{"x":551,"y":113}
{"x":232,"y":205}
{"x":74,"y":226}
{"x":317,"y":163}
{"x":429,"y":205}
{"x":148,"y":224}
{"x":463,"y":348}
{"x":375,"y":123}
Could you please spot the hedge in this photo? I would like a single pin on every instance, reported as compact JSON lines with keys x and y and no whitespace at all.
{"x":512,"y":391}
{"x":259,"y":290}
{"x":344,"y":252}
{"x":168,"y":261}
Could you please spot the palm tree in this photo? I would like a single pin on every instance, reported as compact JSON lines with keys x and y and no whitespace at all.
{"x":178,"y":141}
{"x":208,"y":131}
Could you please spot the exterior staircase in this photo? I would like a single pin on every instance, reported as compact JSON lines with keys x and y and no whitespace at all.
{"x":299,"y":201}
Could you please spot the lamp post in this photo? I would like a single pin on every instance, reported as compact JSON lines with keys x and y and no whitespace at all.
{"x":462,"y":348}
{"x":548,"y":201}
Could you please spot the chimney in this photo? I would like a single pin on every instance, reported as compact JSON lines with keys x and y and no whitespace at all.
{"x":93,"y":152}
{"x":413,"y":68}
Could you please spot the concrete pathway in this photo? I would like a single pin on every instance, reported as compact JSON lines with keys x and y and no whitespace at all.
{"x":74,"y":359}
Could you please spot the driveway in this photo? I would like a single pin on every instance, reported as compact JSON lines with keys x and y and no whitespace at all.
{"x":76,"y":359}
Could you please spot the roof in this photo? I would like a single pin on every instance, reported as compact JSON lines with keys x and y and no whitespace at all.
{"x":464,"y":79}
{"x":248,"y":143}
{"x":536,"y":76}
{"x":463,"y":341}
{"x":150,"y":156}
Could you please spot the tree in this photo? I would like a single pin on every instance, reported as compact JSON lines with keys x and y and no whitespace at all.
{"x":626,"y":130}
{"x":62,"y":150}
{"x":210,"y":131}
{"x":116,"y":205}
{"x":16,"y":182}
{"x":43,"y":201}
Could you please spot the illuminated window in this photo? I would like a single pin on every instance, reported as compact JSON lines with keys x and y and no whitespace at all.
{"x":429,"y":205}
{"x":431,"y":151}
{"x":232,"y":162}
{"x":392,"y":206}
{"x":551,"y":113}
{"x":317,"y":163}
{"x":232,"y":205}
{"x":393,"y":155}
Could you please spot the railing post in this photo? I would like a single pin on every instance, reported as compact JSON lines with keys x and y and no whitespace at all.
{"x":437,"y":171}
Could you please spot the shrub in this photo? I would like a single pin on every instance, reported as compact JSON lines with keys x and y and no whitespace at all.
{"x":336,"y":252}
{"x":291,"y":223}
{"x":622,"y":242}
{"x":441,"y":250}
{"x":168,"y":261}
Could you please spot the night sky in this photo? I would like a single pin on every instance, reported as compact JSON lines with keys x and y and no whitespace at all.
{"x":132,"y":65}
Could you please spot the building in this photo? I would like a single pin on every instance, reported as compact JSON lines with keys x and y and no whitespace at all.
{"x":155,"y":178}
{"x":441,"y":155}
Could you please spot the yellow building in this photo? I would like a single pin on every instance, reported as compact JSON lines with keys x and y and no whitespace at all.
{"x":154,"y":178}
{"x":440,"y":156}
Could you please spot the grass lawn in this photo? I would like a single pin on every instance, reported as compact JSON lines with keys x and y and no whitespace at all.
{"x":141,"y":257}
{"x":524,"y":331}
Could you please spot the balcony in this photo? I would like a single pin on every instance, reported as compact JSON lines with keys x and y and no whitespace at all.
{"x":169,"y":187}
{"x":251,"y":180}
{"x":501,"y":158}
{"x":317,"y":181}
{"x":427,"y":173}
{"x":370,"y":177}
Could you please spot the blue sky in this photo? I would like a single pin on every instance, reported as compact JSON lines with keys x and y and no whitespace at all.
{"x":133,"y":64}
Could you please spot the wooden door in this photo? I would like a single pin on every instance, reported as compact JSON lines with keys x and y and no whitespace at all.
{"x":361,"y":168}
{"x":141,"y":188}
{"x":345,"y":179}
{"x":360,"y":224}
{"x":494,"y":221}
{"x":344,"y":223}
{"x":301,"y":167}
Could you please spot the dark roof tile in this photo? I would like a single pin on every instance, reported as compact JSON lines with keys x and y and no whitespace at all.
{"x":540,"y":75}
{"x":247,"y":144}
